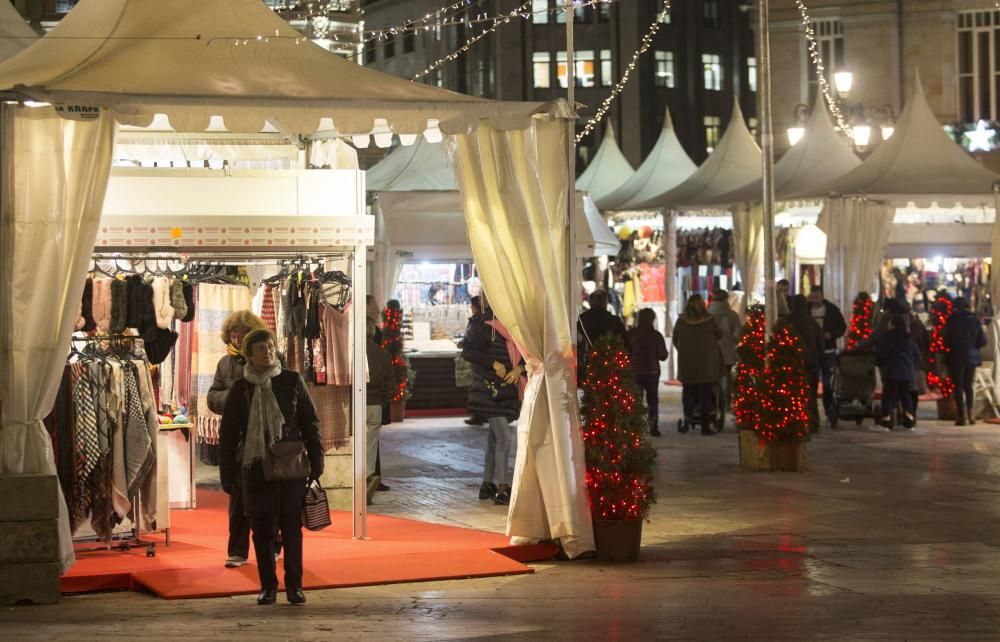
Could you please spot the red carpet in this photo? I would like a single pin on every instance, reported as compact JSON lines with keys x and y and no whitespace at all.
{"x":398,"y":550}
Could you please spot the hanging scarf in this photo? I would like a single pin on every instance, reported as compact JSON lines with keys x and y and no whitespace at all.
{"x":512,"y":352}
{"x":266,"y":420}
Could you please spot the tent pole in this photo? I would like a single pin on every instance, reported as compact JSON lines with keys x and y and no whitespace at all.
{"x":571,"y":265}
{"x":767,"y":147}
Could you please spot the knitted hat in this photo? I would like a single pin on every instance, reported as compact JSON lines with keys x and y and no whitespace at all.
{"x":161,"y":302}
{"x":189,"y":299}
{"x":87,"y":306}
{"x":102,"y":305}
{"x":158,"y":343}
{"x":119,"y":306}
{"x":148,"y":314}
{"x":133,"y":317}
{"x":177,"y":301}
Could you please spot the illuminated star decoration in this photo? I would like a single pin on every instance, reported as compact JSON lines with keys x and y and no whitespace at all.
{"x":981,"y":138}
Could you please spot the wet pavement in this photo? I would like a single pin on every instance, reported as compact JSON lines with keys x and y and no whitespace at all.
{"x":886,"y":536}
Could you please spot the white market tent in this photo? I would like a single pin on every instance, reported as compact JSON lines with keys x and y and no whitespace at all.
{"x":607,"y":171}
{"x":919,"y":164}
{"x":15,"y":34}
{"x":421,"y":167}
{"x":236,"y":63}
{"x":735,"y":162}
{"x":666,"y":167}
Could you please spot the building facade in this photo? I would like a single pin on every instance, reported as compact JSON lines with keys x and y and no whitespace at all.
{"x":954,"y":45}
{"x":701,"y":60}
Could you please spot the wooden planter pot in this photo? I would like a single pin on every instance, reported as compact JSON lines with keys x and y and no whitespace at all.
{"x":774,"y":456}
{"x":397,"y":410}
{"x":946,"y":408}
{"x":617,"y":540}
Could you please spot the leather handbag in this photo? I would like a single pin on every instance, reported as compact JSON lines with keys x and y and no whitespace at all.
{"x":315,"y":508}
{"x":287,"y":461}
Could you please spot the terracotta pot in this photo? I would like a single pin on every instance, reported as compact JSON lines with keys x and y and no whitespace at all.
{"x":774,"y":456}
{"x":617,"y":540}
{"x":397,"y":410}
{"x":946,"y":408}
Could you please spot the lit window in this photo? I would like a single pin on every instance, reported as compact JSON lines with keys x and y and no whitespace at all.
{"x":540,"y":12}
{"x":540,"y":61}
{"x":712,"y":65}
{"x":664,"y":68}
{"x":583,"y":63}
{"x":606,"y":74}
{"x":713,"y":124}
{"x":752,"y":74}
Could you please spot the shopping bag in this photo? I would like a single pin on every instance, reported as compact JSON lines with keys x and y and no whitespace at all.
{"x":315,"y":508}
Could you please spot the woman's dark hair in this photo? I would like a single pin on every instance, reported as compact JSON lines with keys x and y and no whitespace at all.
{"x":393,"y":304}
{"x":799,"y":304}
{"x":477,"y":303}
{"x":695,"y":306}
{"x":647,"y":318}
{"x":961,"y":303}
{"x":259,"y":335}
{"x":598,"y":299}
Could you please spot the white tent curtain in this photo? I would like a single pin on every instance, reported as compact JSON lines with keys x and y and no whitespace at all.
{"x":748,"y":250}
{"x":56,"y":174}
{"x":387,"y":266}
{"x":995,"y":291}
{"x":513,"y":188}
{"x":857,"y":232}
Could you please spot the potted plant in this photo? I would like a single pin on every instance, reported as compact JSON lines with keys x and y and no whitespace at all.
{"x":772,"y":396}
{"x":392,"y":342}
{"x":937,"y":375}
{"x":618,"y":455}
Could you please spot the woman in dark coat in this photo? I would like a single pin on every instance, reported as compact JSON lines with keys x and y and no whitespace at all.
{"x":495,"y":393}
{"x":963,"y":337}
{"x":269,"y":404}
{"x":699,"y":361}
{"x":811,"y":336}
{"x":647,"y":349}
{"x":897,"y":355}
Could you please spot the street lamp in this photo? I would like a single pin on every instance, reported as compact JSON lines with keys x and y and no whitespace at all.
{"x":843,"y":81}
{"x":860,"y":119}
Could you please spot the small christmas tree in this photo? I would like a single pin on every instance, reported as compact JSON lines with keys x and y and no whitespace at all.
{"x":619,"y":457}
{"x":940,"y":313}
{"x":772,"y":393}
{"x":392,"y":341}
{"x":861,"y":321}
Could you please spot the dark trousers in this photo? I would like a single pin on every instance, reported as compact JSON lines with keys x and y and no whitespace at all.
{"x":827,"y":362}
{"x":239,"y":527}
{"x":896,"y":392}
{"x":963,"y":377}
{"x":289,"y":522}
{"x":700,"y":396}
{"x":650,"y":384}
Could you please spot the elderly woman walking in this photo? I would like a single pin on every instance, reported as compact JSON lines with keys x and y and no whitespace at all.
{"x":269,"y":424}
{"x":699,"y":362}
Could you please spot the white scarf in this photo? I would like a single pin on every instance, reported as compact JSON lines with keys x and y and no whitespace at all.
{"x":266,"y":420}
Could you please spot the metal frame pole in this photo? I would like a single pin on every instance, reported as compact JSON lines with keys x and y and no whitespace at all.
{"x":359,"y":338}
{"x":767,"y":147}
{"x":571,"y":267}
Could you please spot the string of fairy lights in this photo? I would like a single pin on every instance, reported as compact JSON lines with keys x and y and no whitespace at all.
{"x":817,"y":59}
{"x":647,"y":42}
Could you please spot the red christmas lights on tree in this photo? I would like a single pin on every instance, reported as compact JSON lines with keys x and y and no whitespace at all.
{"x":861,"y":321}
{"x":392,"y":341}
{"x":619,"y":457}
{"x":772,"y":393}
{"x":940,"y":313}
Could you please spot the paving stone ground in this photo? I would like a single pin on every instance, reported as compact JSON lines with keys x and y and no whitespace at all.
{"x":887,"y":536}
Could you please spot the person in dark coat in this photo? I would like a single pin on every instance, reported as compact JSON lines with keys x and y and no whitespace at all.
{"x":269,"y":404}
{"x":230,"y":369}
{"x":812,"y":348}
{"x":379,"y":392}
{"x":897,"y":355}
{"x":831,"y":322}
{"x":475,"y":320}
{"x":495,"y":393}
{"x":592,"y":325}
{"x":647,"y":348}
{"x":699,"y":361}
{"x":963,"y":337}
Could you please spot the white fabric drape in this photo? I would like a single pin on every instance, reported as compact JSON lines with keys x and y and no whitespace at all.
{"x":995,"y":291}
{"x":857,"y":232}
{"x":55,"y":176}
{"x":748,"y":250}
{"x":388,"y":266}
{"x":513,"y":186}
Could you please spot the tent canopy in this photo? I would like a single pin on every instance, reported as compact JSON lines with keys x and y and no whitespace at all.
{"x":821,"y":156}
{"x":920,"y":163}
{"x":735,"y":162}
{"x":666,"y":167}
{"x":420,"y":167}
{"x":15,"y":34}
{"x":431,"y":225}
{"x":181,"y":58}
{"x":607,"y":171}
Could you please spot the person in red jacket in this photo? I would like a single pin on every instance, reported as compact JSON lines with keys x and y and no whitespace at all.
{"x":647,"y":348}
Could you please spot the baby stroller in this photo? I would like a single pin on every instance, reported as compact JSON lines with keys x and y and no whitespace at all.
{"x":718,"y":419}
{"x":854,"y":386}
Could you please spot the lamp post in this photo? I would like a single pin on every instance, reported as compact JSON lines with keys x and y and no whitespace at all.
{"x":767,"y":173}
{"x":863,"y":121}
